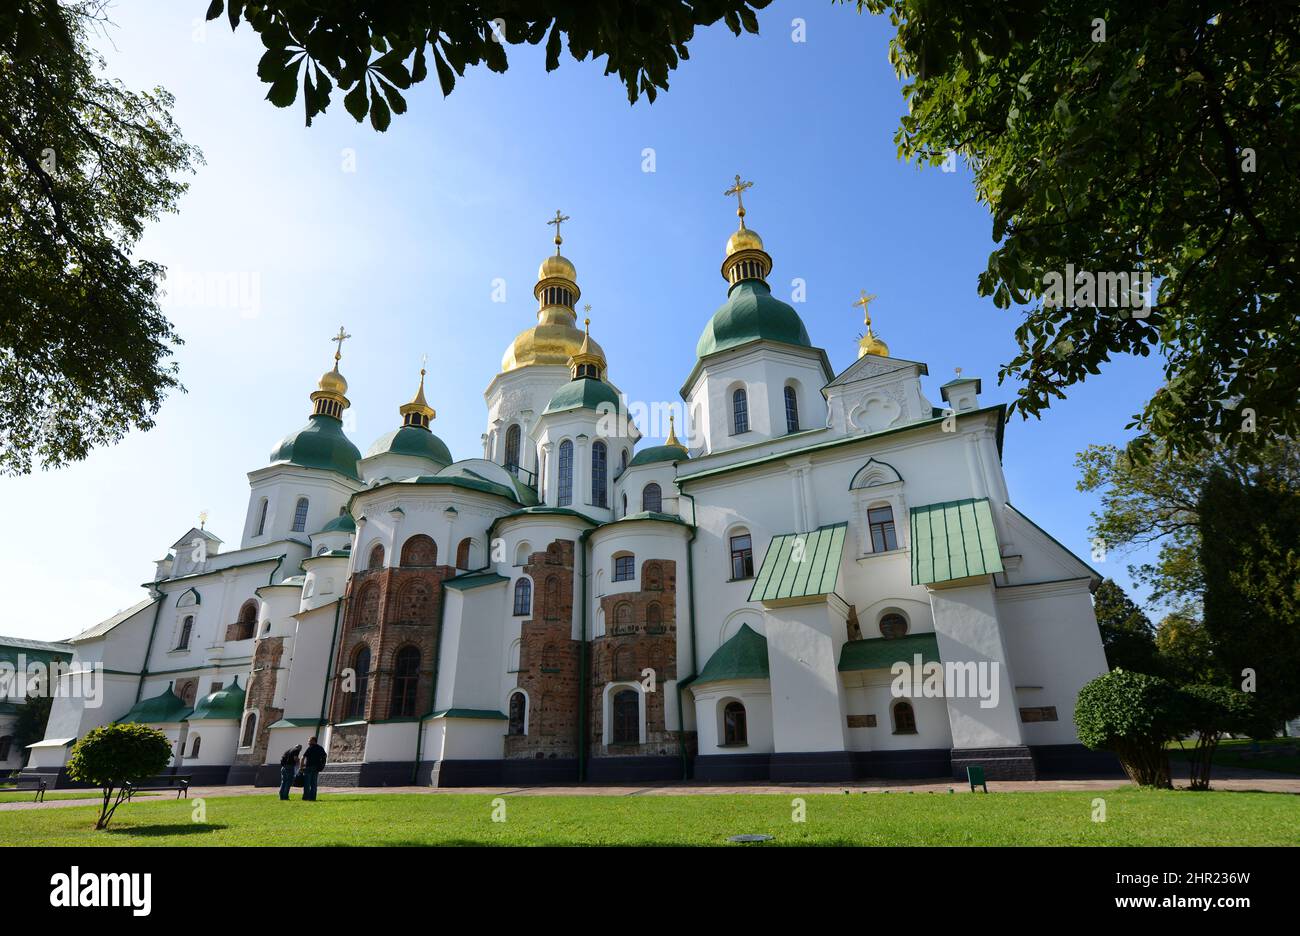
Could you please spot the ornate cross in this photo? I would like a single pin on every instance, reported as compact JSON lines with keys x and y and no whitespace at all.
{"x":557,"y":221}
{"x":738,"y":190}
{"x":203,"y":519}
{"x":864,"y":302}
{"x":341,"y":337}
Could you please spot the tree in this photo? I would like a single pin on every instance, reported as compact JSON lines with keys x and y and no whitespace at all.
{"x":111,"y":756}
{"x":1210,"y":713}
{"x":84,"y":165}
{"x":374,"y":49}
{"x":1126,"y":633}
{"x":1250,"y":553}
{"x":30,"y":722}
{"x":1186,"y":652}
{"x":1136,"y":716}
{"x":1128,"y":137}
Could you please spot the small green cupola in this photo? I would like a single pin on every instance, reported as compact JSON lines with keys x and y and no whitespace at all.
{"x":414,"y":437}
{"x":671,"y":451}
{"x":751,"y":312}
{"x":164,"y":708}
{"x":321,"y":443}
{"x":227,"y":703}
{"x":587,"y":388}
{"x":743,"y":656}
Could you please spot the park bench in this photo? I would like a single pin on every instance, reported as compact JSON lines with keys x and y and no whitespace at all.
{"x":33,"y":784}
{"x":178,"y":782}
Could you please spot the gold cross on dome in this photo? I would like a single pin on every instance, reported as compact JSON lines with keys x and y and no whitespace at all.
{"x":203,"y":519}
{"x":557,"y":221}
{"x":341,"y":337}
{"x":864,"y":302}
{"x":739,"y":190}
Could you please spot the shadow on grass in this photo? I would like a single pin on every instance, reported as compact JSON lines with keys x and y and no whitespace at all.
{"x":155,"y":831}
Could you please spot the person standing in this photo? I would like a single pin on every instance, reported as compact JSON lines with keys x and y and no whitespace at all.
{"x":313,"y":762}
{"x":288,"y":770}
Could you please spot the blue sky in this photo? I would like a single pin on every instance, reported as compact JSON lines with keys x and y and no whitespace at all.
{"x":404,"y":251}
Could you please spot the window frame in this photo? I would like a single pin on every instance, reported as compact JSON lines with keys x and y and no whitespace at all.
{"x":599,"y":474}
{"x":624,"y":568}
{"x":791,"y":396}
{"x":735,"y":731}
{"x":888,"y":529}
{"x":300,"y":510}
{"x":739,"y":411}
{"x":524,"y":588}
{"x":658,"y":498}
{"x":745,"y":555}
{"x":564,"y":475}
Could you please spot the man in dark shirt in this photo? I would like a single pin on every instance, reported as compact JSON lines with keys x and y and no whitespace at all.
{"x":313,"y":762}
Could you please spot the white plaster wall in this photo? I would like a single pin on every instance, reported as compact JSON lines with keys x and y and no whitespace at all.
{"x":282,"y":485}
{"x":868,"y":692}
{"x":220,"y":738}
{"x":803,"y":650}
{"x":755,"y":695}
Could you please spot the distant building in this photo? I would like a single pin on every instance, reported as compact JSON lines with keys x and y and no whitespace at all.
{"x":18,"y":653}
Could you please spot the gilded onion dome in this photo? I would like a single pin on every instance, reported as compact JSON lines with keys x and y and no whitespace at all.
{"x":556,"y":337}
{"x":869,"y":342}
{"x":321,"y":443}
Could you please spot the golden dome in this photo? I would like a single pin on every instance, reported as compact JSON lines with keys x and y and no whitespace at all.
{"x":549,"y":342}
{"x":557,"y":267}
{"x":870,"y":344}
{"x":333,"y":382}
{"x":744,"y":239}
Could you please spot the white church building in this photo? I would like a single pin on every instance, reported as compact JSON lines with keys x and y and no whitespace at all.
{"x":575,"y":606}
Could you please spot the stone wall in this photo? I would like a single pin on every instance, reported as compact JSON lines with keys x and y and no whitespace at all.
{"x":264,"y":673}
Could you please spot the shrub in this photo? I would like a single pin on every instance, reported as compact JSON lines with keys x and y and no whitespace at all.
{"x":112,"y":755}
{"x":1134,"y":715}
{"x":1211,"y":712}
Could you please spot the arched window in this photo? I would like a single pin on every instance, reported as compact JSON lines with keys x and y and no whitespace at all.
{"x":624,"y":567}
{"x":623,"y":618}
{"x":300,"y":515}
{"x":368,"y":605}
{"x":904,"y":718}
{"x":622,"y":462}
{"x":187,"y":630}
{"x":654,"y":577}
{"x":194,"y":746}
{"x":742,"y":555}
{"x":893,"y":625}
{"x":462,"y":553}
{"x":552,"y":598}
{"x":739,"y":411}
{"x":376,"y":560}
{"x":419,"y":552}
{"x":599,"y":475}
{"x":246,"y":625}
{"x":356,"y":707}
{"x":250,"y":730}
{"x":791,"y":410}
{"x":523,"y":597}
{"x":414,"y":603}
{"x":626,"y":727}
{"x":565,"y":495}
{"x":261,"y":517}
{"x":522,"y":553}
{"x":512,"y":449}
{"x":652,"y":498}
{"x":883,"y":535}
{"x":625,"y":503}
{"x":654,"y":618}
{"x":550,"y":659}
{"x":734,"y":729}
{"x":518,"y":709}
{"x":406,"y":678}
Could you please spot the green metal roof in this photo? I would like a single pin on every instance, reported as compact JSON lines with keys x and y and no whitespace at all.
{"x":658,"y":453}
{"x":303,"y":721}
{"x":227,"y":702}
{"x":470,"y":713}
{"x":320,"y":444}
{"x":649,"y":515}
{"x":743,"y":656}
{"x":165,"y":707}
{"x":343,"y":523}
{"x":882,"y":653}
{"x":800,"y":565}
{"x":412,"y":440}
{"x":475,"y":580}
{"x":751,"y":313}
{"x":582,"y":393}
{"x":953,"y":540}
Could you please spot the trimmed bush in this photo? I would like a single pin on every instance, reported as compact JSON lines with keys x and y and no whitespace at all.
{"x":1211,"y":712}
{"x":1135,"y":716}
{"x":112,"y":755}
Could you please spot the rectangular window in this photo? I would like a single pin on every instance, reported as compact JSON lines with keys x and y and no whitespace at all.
{"x":599,"y":475}
{"x":565,"y":494}
{"x":881,"y":521}
{"x":742,"y":557}
{"x":624,"y":568}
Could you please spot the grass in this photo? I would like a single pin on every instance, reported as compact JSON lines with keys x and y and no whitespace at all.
{"x":29,"y":796}
{"x":1236,"y":753}
{"x":1133,"y":817}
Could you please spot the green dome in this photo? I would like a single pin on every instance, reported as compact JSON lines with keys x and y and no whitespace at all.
{"x":658,"y":453}
{"x":343,"y":523}
{"x":320,"y":444}
{"x":751,"y":313}
{"x":583,"y":393}
{"x":412,"y":440}
{"x":227,"y":702}
{"x":744,"y":656}
{"x":164,"y":708}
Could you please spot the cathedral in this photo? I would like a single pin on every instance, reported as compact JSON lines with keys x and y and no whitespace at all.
{"x":827,"y":580}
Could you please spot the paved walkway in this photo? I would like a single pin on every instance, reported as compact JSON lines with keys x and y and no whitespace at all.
{"x":1225,"y":778}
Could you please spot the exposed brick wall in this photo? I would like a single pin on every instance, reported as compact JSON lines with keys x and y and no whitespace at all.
{"x":262,"y":678}
{"x":633,"y":642}
{"x":549,"y":658}
{"x":387,"y":610}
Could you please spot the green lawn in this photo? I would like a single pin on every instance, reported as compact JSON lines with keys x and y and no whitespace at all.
{"x":25,"y":796}
{"x":1234,"y":753}
{"x":1134,"y":817}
